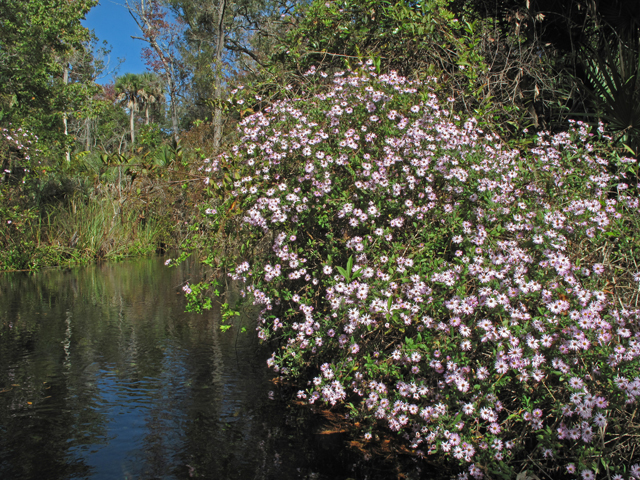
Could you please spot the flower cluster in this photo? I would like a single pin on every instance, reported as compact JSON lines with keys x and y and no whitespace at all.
{"x":16,"y":146}
{"x":447,"y":286}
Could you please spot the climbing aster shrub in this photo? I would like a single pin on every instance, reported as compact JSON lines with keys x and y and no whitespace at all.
{"x":17,"y":145}
{"x":429,"y":280}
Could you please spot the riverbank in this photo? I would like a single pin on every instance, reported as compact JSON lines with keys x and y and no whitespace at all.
{"x":91,"y":213}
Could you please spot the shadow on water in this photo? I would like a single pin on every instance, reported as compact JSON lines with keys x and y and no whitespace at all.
{"x":103,"y":376}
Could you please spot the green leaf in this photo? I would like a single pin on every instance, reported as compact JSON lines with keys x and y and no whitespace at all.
{"x":357,"y":273}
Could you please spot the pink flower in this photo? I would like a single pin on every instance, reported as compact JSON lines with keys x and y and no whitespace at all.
{"x":587,"y":474}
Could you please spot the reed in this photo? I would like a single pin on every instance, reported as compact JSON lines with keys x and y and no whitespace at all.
{"x":105,"y":227}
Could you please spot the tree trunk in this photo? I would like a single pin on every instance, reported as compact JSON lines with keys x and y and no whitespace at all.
{"x":131,"y":110}
{"x":65,"y":80}
{"x":87,"y":124}
{"x":217,"y":112}
{"x":174,"y":111}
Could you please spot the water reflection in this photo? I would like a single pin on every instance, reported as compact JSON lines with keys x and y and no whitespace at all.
{"x":103,"y":376}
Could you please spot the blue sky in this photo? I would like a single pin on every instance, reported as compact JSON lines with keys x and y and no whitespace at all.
{"x":111,"y":21}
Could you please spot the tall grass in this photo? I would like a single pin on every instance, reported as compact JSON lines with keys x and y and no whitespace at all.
{"x":105,"y":227}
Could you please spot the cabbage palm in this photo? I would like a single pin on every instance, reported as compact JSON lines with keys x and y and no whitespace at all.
{"x":128,"y":88}
{"x":151,"y":92}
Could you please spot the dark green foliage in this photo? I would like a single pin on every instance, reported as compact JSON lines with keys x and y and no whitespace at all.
{"x":34,"y":45}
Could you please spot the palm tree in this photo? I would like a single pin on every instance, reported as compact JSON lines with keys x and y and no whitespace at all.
{"x":152,"y":92}
{"x":128,"y":88}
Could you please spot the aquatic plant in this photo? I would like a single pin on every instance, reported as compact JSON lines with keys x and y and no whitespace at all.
{"x":438,"y":283}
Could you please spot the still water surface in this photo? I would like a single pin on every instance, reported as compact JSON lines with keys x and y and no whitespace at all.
{"x":103,"y":376}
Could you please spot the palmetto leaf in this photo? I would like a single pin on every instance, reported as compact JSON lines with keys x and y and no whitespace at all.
{"x":613,"y":75}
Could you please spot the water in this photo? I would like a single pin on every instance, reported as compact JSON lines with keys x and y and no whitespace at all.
{"x":103,"y":376}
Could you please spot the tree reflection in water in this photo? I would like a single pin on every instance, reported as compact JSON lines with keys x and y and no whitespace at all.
{"x":103,"y":375}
